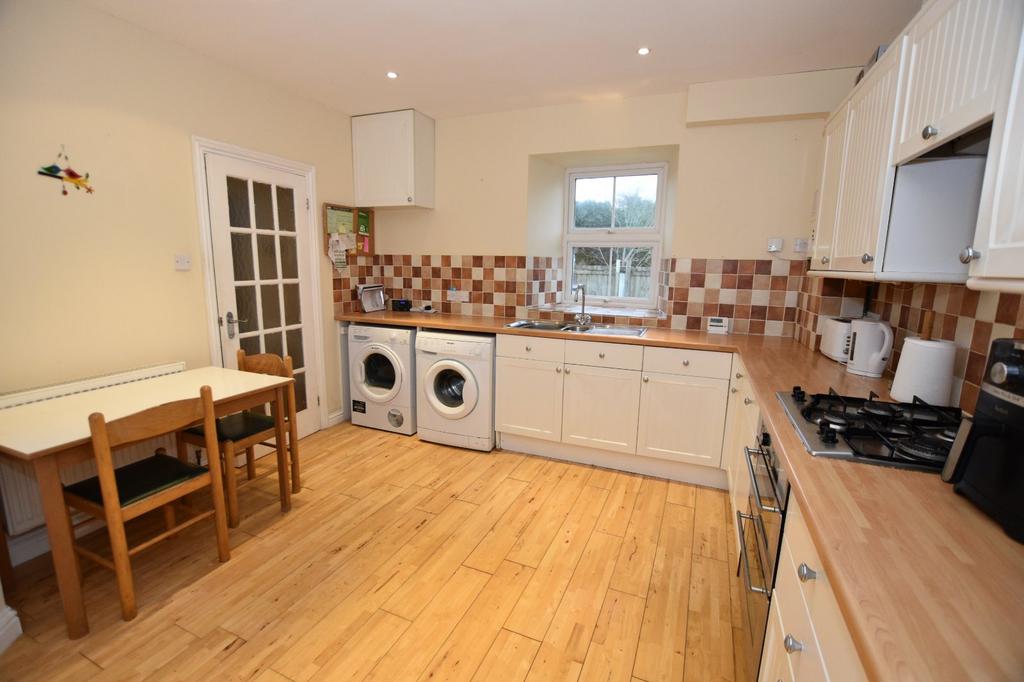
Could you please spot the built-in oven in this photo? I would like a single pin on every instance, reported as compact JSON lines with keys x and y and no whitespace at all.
{"x":760,"y":535}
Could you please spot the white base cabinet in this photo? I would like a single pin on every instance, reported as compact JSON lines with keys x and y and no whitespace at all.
{"x":599,"y":407}
{"x":682,"y":418}
{"x":528,"y":400}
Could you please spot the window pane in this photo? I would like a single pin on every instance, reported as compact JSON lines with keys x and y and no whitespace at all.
{"x":238,"y":202}
{"x":267,"y":249}
{"x":286,"y":209}
{"x":272,"y":343}
{"x":594,"y":202}
{"x":264,"y":206}
{"x":294,"y":339}
{"x":271,"y":306}
{"x":241,"y":255}
{"x":250,"y":344}
{"x":635,"y":196}
{"x":300,"y":392}
{"x":292,"y":309}
{"x":245,"y":307}
{"x":289,"y":259}
{"x":613,"y":271}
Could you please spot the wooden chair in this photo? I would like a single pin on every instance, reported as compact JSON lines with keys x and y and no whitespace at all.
{"x":245,"y":430}
{"x":119,"y":495}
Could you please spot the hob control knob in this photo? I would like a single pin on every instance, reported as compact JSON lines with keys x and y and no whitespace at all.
{"x":799,"y":394}
{"x":828,"y":434}
{"x":1002,"y":373}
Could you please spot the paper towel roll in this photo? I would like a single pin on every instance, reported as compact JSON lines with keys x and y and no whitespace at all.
{"x":925,"y":370}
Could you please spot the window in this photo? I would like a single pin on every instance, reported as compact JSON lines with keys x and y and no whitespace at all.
{"x":613,"y":233}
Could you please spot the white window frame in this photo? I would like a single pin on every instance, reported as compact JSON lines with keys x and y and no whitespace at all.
{"x":653,"y":237}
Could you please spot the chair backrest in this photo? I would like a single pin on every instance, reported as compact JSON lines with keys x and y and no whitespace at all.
{"x":156,"y":421}
{"x":266,"y":363}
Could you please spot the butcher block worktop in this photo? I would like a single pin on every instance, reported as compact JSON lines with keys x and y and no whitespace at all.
{"x":930,"y":588}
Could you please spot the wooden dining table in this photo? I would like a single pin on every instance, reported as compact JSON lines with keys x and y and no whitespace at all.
{"x":54,"y":433}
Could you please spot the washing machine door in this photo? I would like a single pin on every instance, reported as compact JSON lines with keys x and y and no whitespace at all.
{"x":451,"y":389}
{"x":379,"y":373}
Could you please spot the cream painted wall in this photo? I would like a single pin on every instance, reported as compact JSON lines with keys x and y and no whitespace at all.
{"x":88,"y":282}
{"x":738,"y":184}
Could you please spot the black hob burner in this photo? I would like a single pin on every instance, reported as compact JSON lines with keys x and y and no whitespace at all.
{"x":912,"y":435}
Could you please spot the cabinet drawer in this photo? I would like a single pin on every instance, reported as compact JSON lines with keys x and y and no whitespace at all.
{"x":806,"y":661}
{"x":837,"y":648}
{"x":698,"y":363}
{"x":530,"y":348}
{"x":597,"y":354}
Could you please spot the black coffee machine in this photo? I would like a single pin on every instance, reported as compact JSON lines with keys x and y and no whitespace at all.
{"x":986,"y":464}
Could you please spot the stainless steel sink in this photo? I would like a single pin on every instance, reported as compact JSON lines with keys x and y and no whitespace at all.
{"x":595,"y":329}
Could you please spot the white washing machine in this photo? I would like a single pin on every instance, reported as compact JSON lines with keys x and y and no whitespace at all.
{"x":455,"y":401}
{"x":382,"y":377}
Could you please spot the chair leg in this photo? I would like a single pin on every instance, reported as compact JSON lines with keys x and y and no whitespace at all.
{"x":231,"y":482}
{"x":250,"y":462}
{"x":169,"y":520}
{"x":293,"y":451}
{"x":122,"y":569}
{"x":220,"y":517}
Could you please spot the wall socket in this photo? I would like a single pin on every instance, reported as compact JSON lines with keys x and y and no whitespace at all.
{"x":775,"y":244}
{"x":801,"y":245}
{"x":458,"y":296}
{"x":182,"y":262}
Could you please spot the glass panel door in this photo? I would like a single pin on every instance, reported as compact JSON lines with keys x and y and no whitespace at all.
{"x":262,"y":282}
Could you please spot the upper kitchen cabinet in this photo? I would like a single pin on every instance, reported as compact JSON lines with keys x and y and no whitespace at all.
{"x":997,"y":256}
{"x":828,"y":195}
{"x":959,"y":53}
{"x":393,"y":159}
{"x":866,"y":176}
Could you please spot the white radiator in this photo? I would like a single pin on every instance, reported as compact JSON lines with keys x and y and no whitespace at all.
{"x":18,"y":489}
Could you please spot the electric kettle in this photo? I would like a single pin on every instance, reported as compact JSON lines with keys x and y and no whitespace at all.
{"x":870,"y":347}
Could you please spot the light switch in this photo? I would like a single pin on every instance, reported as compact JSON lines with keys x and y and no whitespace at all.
{"x":775,"y":245}
{"x":182,"y":262}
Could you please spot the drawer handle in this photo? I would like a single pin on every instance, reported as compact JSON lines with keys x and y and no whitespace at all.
{"x":929,"y":132}
{"x":824,"y":260}
{"x":738,"y":375}
{"x":558,"y":369}
{"x":866,"y":258}
{"x":806,"y":573}
{"x":601,"y":355}
{"x":566,"y":370}
{"x":747,"y":400}
{"x":686,"y":363}
{"x":646,"y":379}
{"x":792,"y":644}
{"x":528,"y":349}
{"x":733,"y":390}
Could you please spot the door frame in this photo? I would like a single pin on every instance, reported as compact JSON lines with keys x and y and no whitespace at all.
{"x":200,"y":147}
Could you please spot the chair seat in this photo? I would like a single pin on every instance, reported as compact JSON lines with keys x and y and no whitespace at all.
{"x":139,"y":480}
{"x":238,"y":426}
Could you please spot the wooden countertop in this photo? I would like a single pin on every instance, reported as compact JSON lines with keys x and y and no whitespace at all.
{"x":929,"y":586}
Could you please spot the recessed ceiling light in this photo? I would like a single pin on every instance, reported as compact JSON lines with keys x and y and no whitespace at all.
{"x":644,"y":51}
{"x":391,"y":75}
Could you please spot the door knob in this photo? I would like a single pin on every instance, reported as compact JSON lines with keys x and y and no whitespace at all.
{"x":792,"y":644}
{"x":968,"y":254}
{"x":929,"y":132}
{"x":231,"y":321}
{"x":866,"y":258}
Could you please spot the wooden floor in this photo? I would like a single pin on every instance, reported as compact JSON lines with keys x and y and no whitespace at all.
{"x":404,"y":560}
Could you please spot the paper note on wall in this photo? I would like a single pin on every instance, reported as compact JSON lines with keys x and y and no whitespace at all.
{"x":339,"y":221}
{"x":364,"y":223}
{"x":337,"y":251}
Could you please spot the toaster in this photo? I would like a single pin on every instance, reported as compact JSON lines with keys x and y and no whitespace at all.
{"x":835,"y":338}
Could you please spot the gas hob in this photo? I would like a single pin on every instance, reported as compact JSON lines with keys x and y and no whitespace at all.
{"x":913,"y":435}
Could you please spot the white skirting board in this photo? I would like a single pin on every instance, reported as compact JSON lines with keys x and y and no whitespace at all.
{"x":637,"y":464}
{"x":10,"y":627}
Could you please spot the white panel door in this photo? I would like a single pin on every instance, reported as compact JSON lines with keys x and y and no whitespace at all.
{"x":959,"y":53}
{"x":682,"y":418}
{"x":383,"y":158}
{"x":528,"y":398}
{"x":867,"y":172}
{"x":999,"y":239}
{"x":830,"y":190}
{"x":264,"y":280}
{"x":599,"y":407}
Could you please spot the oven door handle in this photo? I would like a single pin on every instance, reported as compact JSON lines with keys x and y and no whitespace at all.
{"x":777,"y":507}
{"x":740,"y":518}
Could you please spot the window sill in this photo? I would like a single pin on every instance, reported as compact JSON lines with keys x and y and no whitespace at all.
{"x":604,"y":311}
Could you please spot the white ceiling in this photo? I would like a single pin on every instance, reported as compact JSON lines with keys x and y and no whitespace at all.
{"x":470,"y":56}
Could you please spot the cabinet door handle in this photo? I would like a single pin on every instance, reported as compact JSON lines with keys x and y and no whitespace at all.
{"x":558,"y":369}
{"x":566,"y":370}
{"x":601,"y":355}
{"x":929,"y":132}
{"x":968,"y":254}
{"x":646,"y":379}
{"x":408,"y":199}
{"x":686,"y":363}
{"x":805,"y":573}
{"x":747,"y":401}
{"x":866,"y":258}
{"x":738,"y":375}
{"x":824,"y":260}
{"x":792,"y":644}
{"x":733,"y":389}
{"x":528,"y":349}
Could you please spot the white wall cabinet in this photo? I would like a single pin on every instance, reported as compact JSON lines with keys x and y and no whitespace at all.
{"x":828,"y":194}
{"x":393,"y":159}
{"x":959,"y":54}
{"x":528,"y":399}
{"x":599,"y":407}
{"x":999,"y":240}
{"x":682,"y":418}
{"x":867,"y":174}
